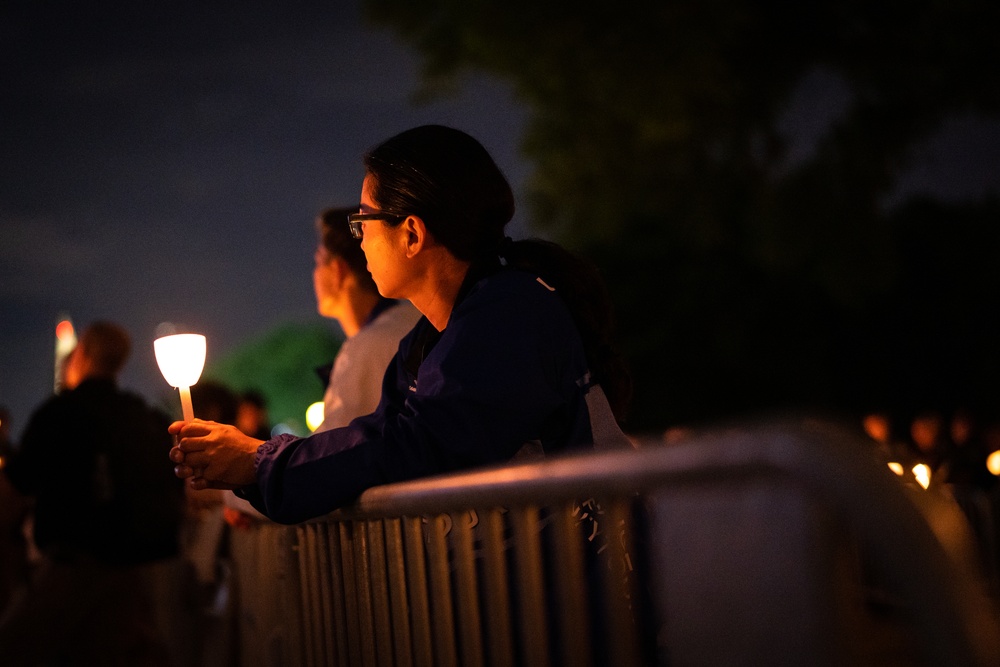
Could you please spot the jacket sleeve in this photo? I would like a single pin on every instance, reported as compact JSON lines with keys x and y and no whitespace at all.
{"x":497,"y":378}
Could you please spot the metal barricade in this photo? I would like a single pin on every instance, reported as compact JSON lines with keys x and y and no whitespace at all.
{"x":736,"y":546}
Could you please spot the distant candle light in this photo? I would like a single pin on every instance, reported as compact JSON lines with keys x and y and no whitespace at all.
{"x":314,"y":415}
{"x":993,"y":462}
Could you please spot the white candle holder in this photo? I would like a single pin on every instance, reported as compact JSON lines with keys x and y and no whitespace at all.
{"x":181,"y":359}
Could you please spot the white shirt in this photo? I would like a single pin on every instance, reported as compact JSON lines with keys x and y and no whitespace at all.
{"x":356,"y":379}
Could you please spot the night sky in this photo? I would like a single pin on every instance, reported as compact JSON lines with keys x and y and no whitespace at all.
{"x":167,"y":167}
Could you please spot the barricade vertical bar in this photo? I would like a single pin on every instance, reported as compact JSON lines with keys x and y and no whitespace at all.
{"x":319,"y":592}
{"x":416,"y":564}
{"x":307,"y":555}
{"x":570,"y":585}
{"x":530,"y":589}
{"x":362,"y":584}
{"x":396,"y":566}
{"x":324,"y":621}
{"x":350,"y":593}
{"x":379,"y":592}
{"x":337,"y":595}
{"x":496,"y":590}
{"x":316,"y":593}
{"x":619,"y":583}
{"x":443,"y":623}
{"x":293,"y":639}
{"x":469,"y":624}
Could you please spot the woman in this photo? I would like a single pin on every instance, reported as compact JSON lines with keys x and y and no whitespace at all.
{"x":372,"y":324}
{"x":509,"y":357}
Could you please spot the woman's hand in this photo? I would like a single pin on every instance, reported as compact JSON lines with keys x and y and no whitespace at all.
{"x":213,"y":456}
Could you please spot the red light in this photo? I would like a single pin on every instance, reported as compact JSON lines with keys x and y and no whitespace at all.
{"x":64,"y":330}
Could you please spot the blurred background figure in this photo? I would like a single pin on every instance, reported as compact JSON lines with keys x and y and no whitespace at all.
{"x":971,"y":484}
{"x":929,"y":437}
{"x":891,"y":437}
{"x":6,"y":443}
{"x":106,"y":517}
{"x":372,"y":324}
{"x":878,"y":426}
{"x":251,"y":415}
{"x":13,"y":511}
{"x":205,"y":542}
{"x":203,"y":536}
{"x":969,"y":451}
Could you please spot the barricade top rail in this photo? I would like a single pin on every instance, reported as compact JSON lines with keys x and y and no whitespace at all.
{"x":819,"y":454}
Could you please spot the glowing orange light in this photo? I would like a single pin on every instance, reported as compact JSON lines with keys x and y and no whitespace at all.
{"x":993,"y":462}
{"x":65,"y":342}
{"x":64,"y":330}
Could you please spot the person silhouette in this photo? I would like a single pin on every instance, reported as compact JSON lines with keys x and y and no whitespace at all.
{"x":105,"y":516}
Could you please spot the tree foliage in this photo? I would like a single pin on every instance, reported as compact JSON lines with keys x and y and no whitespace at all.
{"x":667,"y":144}
{"x":281,"y":364}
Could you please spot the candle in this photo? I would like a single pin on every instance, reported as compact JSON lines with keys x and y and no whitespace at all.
{"x":181,"y":358}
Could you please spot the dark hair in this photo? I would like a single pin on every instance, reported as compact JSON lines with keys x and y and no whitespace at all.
{"x":254,"y":397}
{"x":215,"y":401}
{"x":448,"y":179}
{"x":107,"y":346}
{"x":336,"y":237}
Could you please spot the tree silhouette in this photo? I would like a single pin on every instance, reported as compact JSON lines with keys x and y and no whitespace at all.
{"x":731,"y":167}
{"x":282,"y":365}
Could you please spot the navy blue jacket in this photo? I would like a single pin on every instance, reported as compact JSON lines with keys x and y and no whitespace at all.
{"x":509,"y":369}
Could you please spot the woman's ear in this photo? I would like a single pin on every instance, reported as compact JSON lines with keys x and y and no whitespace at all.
{"x":415,"y":235}
{"x":339,"y":270}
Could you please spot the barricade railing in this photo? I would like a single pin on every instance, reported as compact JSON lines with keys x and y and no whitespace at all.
{"x":739,"y":545}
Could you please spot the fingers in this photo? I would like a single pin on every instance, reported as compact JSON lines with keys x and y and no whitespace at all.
{"x":185,"y":428}
{"x":188,"y":466}
{"x":193,"y":459}
{"x":187,"y":451}
{"x":195,"y":427}
{"x":193,"y":476}
{"x":211,"y":455}
{"x":193,"y":436}
{"x":198,"y":483}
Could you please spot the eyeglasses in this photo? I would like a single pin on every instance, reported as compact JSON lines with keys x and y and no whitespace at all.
{"x":354,"y":220}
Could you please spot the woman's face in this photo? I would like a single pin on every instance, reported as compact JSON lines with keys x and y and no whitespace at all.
{"x":384,"y":247}
{"x":324,"y":282}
